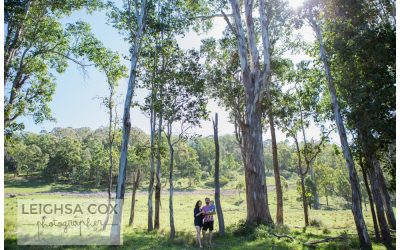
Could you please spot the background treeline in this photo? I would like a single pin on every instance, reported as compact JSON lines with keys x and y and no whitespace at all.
{"x":80,"y":156}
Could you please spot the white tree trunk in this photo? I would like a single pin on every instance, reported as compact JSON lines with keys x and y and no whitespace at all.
{"x":126,"y":128}
{"x":355,"y":186}
{"x":256,"y":188}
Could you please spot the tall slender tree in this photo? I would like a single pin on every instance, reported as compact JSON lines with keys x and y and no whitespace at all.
{"x":184,"y":103}
{"x":138,"y":12}
{"x":221,"y":222}
{"x":355,"y":187}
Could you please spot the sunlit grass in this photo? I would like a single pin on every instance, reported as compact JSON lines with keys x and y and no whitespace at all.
{"x":334,"y":221}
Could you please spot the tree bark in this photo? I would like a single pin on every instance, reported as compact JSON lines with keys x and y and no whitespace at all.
{"x":303,"y":188}
{"x":133,"y":201}
{"x":385,"y":232}
{"x":371,"y":201}
{"x":158,"y":176}
{"x":385,"y":194}
{"x":256,"y":198}
{"x":363,"y":235}
{"x":126,"y":128}
{"x":315,"y":191}
{"x":151,"y":181}
{"x":111,"y":137}
{"x":221,"y":223}
{"x":278,"y":185}
{"x":305,"y":205}
{"x":171,"y":184}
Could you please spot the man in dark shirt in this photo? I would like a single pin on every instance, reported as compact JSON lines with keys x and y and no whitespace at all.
{"x":208,"y":221}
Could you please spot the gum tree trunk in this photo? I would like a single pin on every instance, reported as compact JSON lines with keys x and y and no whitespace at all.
{"x":385,"y":232}
{"x":266,"y":74}
{"x":363,"y":235}
{"x":126,"y":128}
{"x":371,"y":201}
{"x":278,"y":185}
{"x":221,"y":223}
{"x":133,"y":201}
{"x":303,"y":188}
{"x":385,"y":194}
{"x":256,"y":189}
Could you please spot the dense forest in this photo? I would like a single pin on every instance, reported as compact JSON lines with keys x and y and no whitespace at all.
{"x":344,"y":84}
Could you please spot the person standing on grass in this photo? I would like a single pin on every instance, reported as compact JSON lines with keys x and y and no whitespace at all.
{"x":198,"y":221}
{"x":208,"y":222}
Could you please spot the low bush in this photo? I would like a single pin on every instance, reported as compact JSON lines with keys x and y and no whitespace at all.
{"x":316,"y":222}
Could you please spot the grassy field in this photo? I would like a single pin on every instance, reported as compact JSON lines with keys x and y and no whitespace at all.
{"x":331,"y":221}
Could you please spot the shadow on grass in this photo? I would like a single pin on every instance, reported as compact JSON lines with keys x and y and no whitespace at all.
{"x":143,"y":240}
{"x":38,"y":185}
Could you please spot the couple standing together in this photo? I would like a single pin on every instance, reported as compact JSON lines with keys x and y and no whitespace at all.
{"x":203,"y":219}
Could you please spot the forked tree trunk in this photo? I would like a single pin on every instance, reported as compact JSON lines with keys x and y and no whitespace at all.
{"x":385,"y":194}
{"x":303,"y":188}
{"x":363,"y":235}
{"x":135,"y":186}
{"x":256,"y":189}
{"x":278,"y":185}
{"x":126,"y":128}
{"x":221,"y":223}
{"x":371,"y":165}
{"x":371,"y":201}
{"x":158,"y":176}
{"x":151,"y":181}
{"x":385,"y":232}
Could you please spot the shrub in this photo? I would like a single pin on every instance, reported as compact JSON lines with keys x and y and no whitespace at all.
{"x":261,"y":232}
{"x":326,"y":231}
{"x":316,"y":222}
{"x":242,"y":228}
{"x":281,"y":229}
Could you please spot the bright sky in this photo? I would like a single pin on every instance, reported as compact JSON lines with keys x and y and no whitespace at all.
{"x":76,"y":104}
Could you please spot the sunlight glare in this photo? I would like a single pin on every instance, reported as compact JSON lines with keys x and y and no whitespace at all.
{"x":295,"y":3}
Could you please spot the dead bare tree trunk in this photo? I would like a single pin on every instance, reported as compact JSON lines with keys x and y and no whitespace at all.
{"x":126,"y":127}
{"x":111,"y":136}
{"x":158,"y":176}
{"x":355,"y":187}
{"x":135,"y":186}
{"x":221,"y":223}
{"x":151,"y":181}
{"x":171,"y":184}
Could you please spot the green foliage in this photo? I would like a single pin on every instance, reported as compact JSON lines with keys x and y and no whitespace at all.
{"x":37,"y":44}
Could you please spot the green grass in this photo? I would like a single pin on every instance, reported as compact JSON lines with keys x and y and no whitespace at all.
{"x":335,"y":221}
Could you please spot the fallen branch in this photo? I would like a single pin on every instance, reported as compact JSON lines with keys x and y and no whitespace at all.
{"x":313,"y":243}
{"x":283,"y":236}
